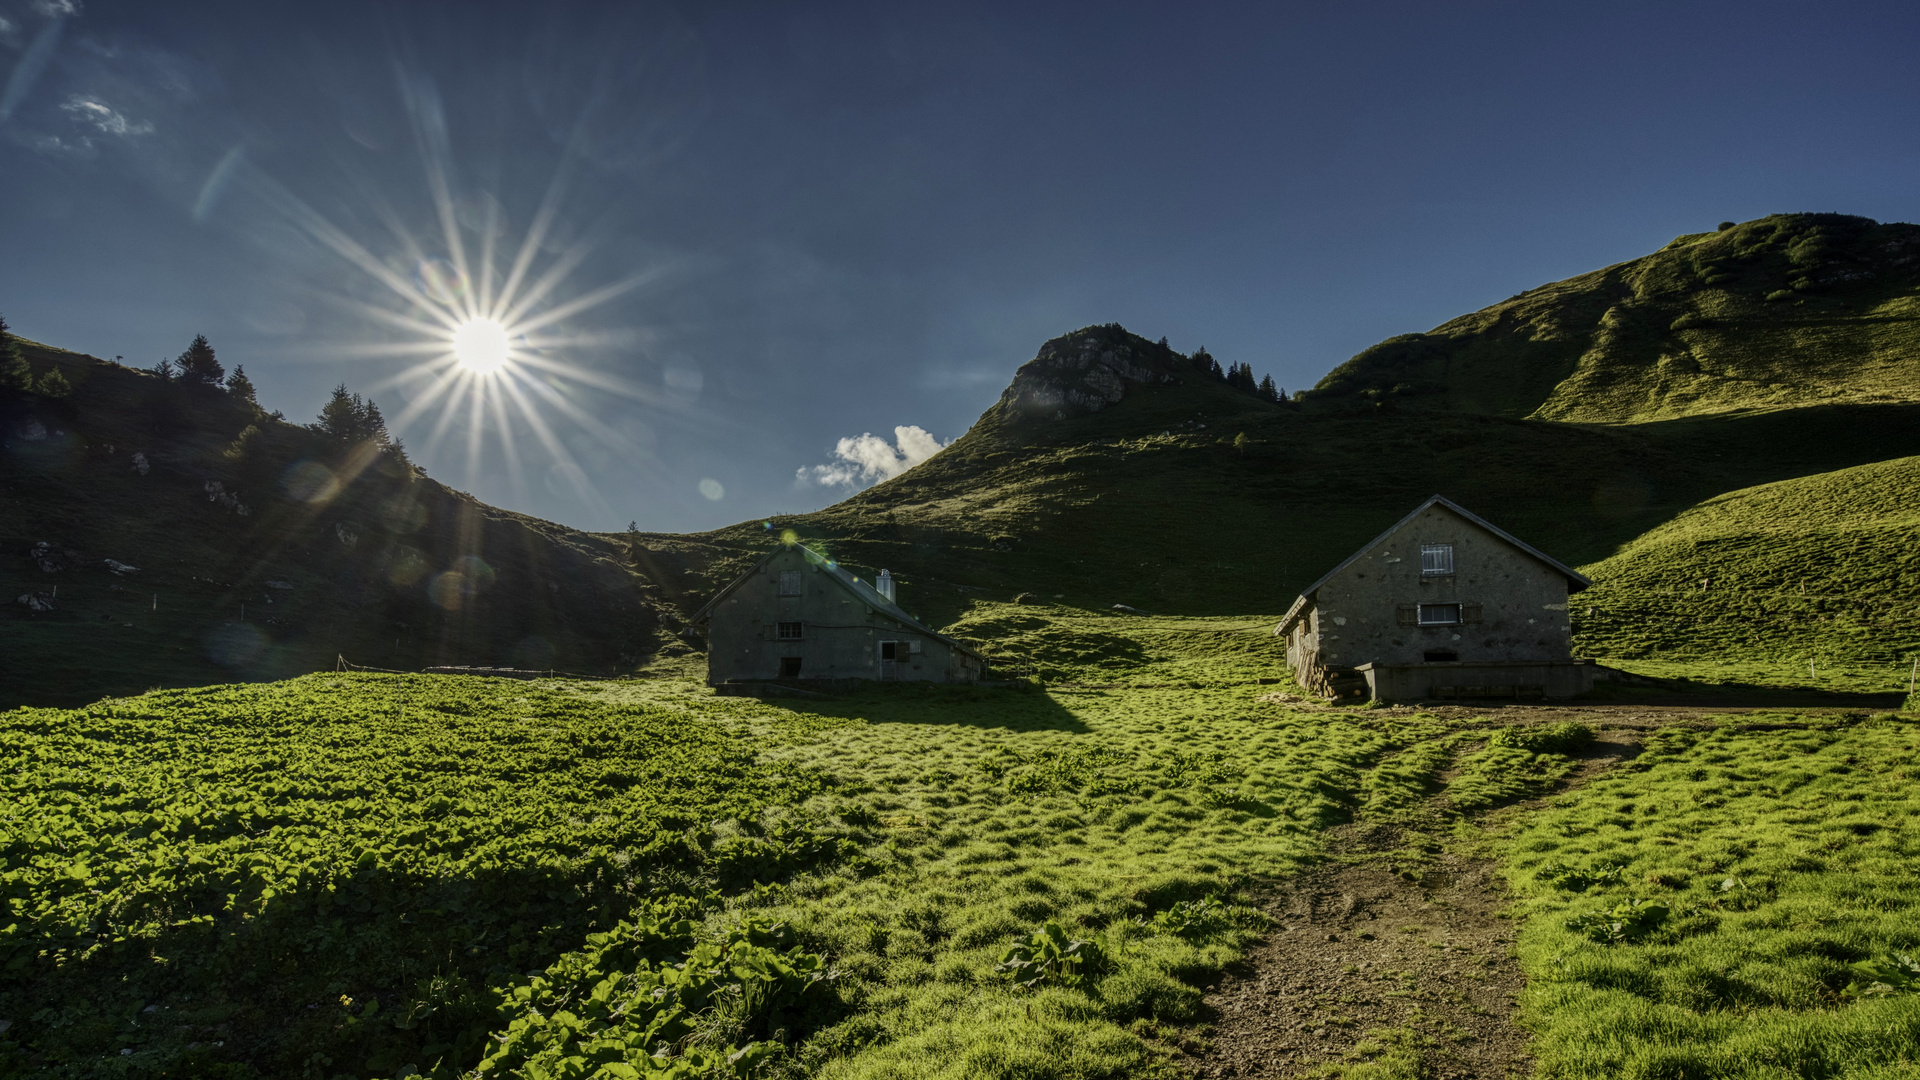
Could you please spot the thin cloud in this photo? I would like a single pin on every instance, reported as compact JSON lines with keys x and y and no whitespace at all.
{"x":91,"y":110}
{"x":57,"y":9}
{"x":869,"y":458}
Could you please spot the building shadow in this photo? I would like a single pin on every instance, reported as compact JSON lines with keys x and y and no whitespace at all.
{"x":1010,"y":708}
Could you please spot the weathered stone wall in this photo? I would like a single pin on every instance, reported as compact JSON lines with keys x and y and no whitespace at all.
{"x":841,"y":635}
{"x":1521,"y":602}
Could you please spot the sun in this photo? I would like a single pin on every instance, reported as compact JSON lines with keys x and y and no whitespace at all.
{"x":481,"y":346}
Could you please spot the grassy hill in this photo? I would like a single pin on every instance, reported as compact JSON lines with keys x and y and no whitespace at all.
{"x":1784,"y":311}
{"x":1820,"y":566}
{"x":260,"y":551}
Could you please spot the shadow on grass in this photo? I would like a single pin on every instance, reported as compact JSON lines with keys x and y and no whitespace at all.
{"x":1681,"y":692}
{"x":1015,"y":709}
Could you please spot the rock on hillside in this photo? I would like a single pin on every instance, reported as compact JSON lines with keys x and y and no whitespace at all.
{"x":1787,"y":310}
{"x":1086,"y":371}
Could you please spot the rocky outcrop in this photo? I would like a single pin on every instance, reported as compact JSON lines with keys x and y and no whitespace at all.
{"x":1086,"y":371}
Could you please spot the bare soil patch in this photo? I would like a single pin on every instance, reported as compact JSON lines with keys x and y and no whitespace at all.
{"x":1395,"y":938}
{"x":1359,"y":947}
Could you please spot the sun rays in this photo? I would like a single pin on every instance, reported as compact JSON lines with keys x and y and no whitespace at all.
{"x":487,"y":332}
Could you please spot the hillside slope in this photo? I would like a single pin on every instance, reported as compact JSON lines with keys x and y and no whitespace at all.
{"x":1185,"y":497}
{"x":1820,"y":566}
{"x":268,"y":555}
{"x":1782,"y":311}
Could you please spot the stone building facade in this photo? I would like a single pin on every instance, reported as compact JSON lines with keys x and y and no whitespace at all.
{"x":798,"y":616}
{"x":1442,"y":605}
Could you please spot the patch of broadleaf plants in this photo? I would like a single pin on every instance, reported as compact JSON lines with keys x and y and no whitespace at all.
{"x":352,"y":875}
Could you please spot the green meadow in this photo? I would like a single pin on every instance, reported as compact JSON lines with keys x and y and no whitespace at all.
{"x":381,"y":876}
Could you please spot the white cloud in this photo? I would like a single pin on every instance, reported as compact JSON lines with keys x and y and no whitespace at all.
{"x":57,"y":9}
{"x":91,"y":110}
{"x":870,"y":459}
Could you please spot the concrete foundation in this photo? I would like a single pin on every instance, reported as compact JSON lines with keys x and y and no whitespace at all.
{"x":1479,"y":679}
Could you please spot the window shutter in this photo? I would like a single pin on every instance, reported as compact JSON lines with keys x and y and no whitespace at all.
{"x":1409,"y":615}
{"x":1470,"y":613}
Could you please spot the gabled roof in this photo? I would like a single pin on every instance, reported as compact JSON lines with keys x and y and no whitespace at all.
{"x":1576,"y":581}
{"x":862,"y":590}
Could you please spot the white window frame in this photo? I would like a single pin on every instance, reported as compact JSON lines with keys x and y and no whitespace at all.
{"x":1454,"y":609}
{"x":780,"y":631}
{"x":1436,"y":560}
{"x":791,"y":583}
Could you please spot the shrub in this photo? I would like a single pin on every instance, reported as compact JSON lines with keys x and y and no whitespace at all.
{"x":1543,"y":738}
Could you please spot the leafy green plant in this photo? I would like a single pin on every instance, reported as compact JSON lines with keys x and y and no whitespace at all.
{"x":1543,"y":738}
{"x":723,"y":1010}
{"x":1626,"y":921}
{"x":1049,"y":957}
{"x":1581,"y":878}
{"x":1893,"y":973}
{"x":1194,"y":918}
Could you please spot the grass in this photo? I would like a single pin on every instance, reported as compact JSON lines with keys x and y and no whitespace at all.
{"x":442,"y":865}
{"x":1821,"y":568}
{"x":1782,"y":848}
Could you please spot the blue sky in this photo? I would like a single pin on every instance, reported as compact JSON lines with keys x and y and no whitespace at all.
{"x":803,"y":223}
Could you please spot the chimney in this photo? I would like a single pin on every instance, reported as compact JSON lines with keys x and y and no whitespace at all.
{"x":885,"y":586}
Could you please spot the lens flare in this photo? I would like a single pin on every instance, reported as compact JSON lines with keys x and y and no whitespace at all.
{"x":481,"y":346}
{"x":485,"y":329}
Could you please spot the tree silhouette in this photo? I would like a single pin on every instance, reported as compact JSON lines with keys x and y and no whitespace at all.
{"x":198,"y":365}
{"x":349,"y":420}
{"x":14,"y":372}
{"x":240,"y":386}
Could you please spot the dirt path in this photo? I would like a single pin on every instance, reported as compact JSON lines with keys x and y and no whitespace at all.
{"x":1393,"y":934}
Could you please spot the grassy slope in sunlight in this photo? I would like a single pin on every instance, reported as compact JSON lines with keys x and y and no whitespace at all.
{"x":1783,"y":851}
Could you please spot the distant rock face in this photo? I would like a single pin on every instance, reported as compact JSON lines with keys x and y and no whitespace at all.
{"x":1082,"y":373}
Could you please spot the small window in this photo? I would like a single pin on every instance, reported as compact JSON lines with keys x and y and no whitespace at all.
{"x":790,"y":631}
{"x":789,"y":583}
{"x":1439,"y":614}
{"x":789,"y":667}
{"x":1436,"y":560}
{"x":891,"y":650}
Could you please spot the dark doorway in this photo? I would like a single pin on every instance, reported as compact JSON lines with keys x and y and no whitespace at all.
{"x":789,"y":667}
{"x":1434,"y":657}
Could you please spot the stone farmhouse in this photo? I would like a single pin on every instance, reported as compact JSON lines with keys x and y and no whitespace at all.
{"x":1442,"y":605}
{"x":800,"y":616}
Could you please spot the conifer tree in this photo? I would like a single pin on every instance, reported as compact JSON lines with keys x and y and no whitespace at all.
{"x":14,"y":372}
{"x":349,"y":420}
{"x":53,"y":384}
{"x":1268,"y":390}
{"x":343,"y":419}
{"x":198,"y":365}
{"x":240,"y":386}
